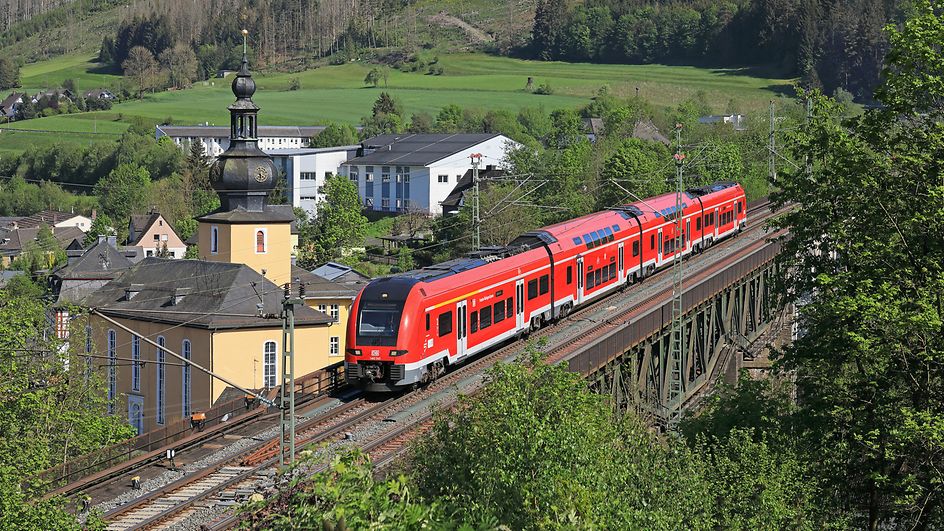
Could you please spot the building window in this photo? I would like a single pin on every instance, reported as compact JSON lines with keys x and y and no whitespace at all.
{"x":443,"y":178}
{"x":385,"y":174}
{"x":135,"y":363}
{"x":335,"y":312}
{"x":261,"y":242}
{"x":112,"y":370}
{"x":161,"y":387}
{"x":352,"y":174}
{"x":308,"y":176}
{"x":334,"y":346}
{"x":369,"y":202}
{"x":406,"y":174}
{"x":385,"y":203}
{"x":214,"y":239}
{"x":269,"y":353}
{"x":185,"y":378}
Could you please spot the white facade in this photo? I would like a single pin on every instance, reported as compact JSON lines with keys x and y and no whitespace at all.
{"x":216,"y":139}
{"x":306,"y":170}
{"x":397,"y":188}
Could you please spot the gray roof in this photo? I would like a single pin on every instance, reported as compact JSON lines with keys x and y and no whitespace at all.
{"x":212,"y":131}
{"x":215,"y":295}
{"x":47,"y":217}
{"x":6,"y":276}
{"x":272,"y":213}
{"x":646,"y":130}
{"x":334,"y":271}
{"x":98,"y":261}
{"x":9,"y":221}
{"x":346,"y":285}
{"x":20,"y":237}
{"x":309,"y":151}
{"x":417,"y":149}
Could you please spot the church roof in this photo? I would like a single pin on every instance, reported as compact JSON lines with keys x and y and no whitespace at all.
{"x":198,"y":294}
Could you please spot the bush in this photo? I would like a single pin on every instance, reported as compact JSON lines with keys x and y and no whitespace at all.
{"x":294,"y":84}
{"x":544,"y":89}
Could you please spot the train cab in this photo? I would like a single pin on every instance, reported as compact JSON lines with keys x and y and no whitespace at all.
{"x":384,"y":348}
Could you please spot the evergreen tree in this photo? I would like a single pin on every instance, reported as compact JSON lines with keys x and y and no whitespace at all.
{"x":9,"y":74}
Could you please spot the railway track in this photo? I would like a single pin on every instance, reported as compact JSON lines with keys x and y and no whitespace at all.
{"x":236,"y":478}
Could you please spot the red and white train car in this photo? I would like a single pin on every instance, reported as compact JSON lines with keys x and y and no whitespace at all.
{"x":408,"y":328}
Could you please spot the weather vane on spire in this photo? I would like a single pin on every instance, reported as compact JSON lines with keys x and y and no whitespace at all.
{"x":245,"y":33}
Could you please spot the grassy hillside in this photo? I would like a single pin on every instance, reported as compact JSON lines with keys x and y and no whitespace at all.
{"x":337,"y":93}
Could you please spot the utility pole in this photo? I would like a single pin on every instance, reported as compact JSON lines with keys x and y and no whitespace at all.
{"x":772,"y":146}
{"x":678,"y":332}
{"x":809,"y":118}
{"x":476,"y":220}
{"x":287,"y":409}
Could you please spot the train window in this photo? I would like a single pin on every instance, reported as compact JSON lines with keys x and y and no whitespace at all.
{"x":605,"y":273}
{"x":427,"y":322}
{"x":601,"y":235}
{"x":598,"y":277}
{"x":615,"y":228}
{"x":544,"y":284}
{"x":652,"y":241}
{"x":636,"y":248}
{"x":576,"y":241}
{"x":445,"y":324}
{"x":509,"y":308}
{"x":570,"y":274}
{"x":499,"y":311}
{"x":485,"y":317}
{"x":612,"y":270}
{"x":532,"y":289}
{"x":698,"y":224}
{"x":588,"y":241}
{"x":590,"y":280}
{"x":740,"y":207}
{"x":609,"y":234}
{"x":474,"y":321}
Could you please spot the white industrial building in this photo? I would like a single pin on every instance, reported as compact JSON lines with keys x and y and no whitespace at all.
{"x":216,"y":139}
{"x":395,"y":173}
{"x":306,"y":170}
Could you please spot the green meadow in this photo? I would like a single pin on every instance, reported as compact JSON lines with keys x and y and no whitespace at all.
{"x":338,"y":93}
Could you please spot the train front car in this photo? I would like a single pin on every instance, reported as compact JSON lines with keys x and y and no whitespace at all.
{"x":383,"y":345}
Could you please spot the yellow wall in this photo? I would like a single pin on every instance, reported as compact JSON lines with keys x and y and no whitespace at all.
{"x":200,"y":341}
{"x":338,"y":328}
{"x":237,"y":244}
{"x":238,"y":355}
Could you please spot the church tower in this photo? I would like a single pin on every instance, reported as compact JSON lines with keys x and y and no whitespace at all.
{"x":246,"y":229}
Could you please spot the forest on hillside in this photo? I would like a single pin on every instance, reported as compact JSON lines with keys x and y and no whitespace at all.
{"x":829,"y":44}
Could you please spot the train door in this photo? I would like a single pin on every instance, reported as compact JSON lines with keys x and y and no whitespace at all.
{"x":136,"y":413}
{"x":462,"y":342}
{"x":659,"y":256}
{"x":622,"y":273}
{"x":687,"y":237}
{"x":717,"y":220}
{"x":580,"y":286}
{"x":519,"y":303}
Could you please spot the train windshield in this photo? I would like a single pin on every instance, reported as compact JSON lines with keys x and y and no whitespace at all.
{"x":378,"y":322}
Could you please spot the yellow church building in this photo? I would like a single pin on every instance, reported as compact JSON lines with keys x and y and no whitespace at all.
{"x":222,"y":311}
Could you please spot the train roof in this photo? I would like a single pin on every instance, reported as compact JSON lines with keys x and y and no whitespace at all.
{"x":566,"y":235}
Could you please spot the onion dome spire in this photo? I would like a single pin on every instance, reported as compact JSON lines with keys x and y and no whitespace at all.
{"x":243,"y":175}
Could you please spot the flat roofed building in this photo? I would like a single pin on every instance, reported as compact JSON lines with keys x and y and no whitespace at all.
{"x":397,"y":173}
{"x":306,"y":170}
{"x":216,"y":139}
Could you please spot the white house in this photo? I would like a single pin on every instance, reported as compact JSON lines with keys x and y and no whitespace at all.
{"x":216,"y":139}
{"x":395,"y":173}
{"x":306,"y":169}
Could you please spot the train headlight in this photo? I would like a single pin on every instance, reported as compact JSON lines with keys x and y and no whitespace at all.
{"x":354,"y":351}
{"x":398,"y":352}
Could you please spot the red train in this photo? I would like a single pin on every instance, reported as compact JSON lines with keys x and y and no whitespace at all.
{"x":408,"y":328}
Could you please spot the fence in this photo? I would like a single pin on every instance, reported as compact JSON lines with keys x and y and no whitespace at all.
{"x":314,"y":384}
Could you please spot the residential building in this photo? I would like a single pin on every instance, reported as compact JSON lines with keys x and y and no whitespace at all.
{"x":153,"y":234}
{"x":220,"y":312}
{"x":457,"y":197}
{"x":9,"y":105}
{"x":738,"y":121}
{"x":99,"y":94}
{"x":305,"y":172}
{"x":58,"y":94}
{"x":13,"y":242}
{"x":52,"y":218}
{"x":396,"y":173}
{"x":216,"y":139}
{"x":332,"y":295}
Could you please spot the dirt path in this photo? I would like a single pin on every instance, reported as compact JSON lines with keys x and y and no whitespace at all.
{"x":445,"y":19}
